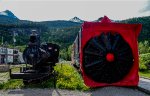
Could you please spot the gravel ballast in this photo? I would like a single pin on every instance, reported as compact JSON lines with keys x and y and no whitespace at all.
{"x":105,"y":91}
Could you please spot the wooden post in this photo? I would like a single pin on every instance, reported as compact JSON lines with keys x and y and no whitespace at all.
{"x":0,"y":58}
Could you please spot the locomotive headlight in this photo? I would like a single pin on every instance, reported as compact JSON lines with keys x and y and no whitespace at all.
{"x":50,"y":48}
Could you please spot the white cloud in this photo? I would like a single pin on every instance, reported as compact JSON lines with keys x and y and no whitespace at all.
{"x":147,"y":8}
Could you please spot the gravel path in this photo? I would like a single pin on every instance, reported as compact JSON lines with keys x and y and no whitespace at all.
{"x":42,"y":92}
{"x":145,"y":83}
{"x":105,"y":91}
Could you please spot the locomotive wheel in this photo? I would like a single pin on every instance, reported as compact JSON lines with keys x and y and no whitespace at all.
{"x":107,"y":58}
{"x":25,"y":82}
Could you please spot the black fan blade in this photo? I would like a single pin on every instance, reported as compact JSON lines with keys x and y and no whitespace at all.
{"x":116,"y":41}
{"x":108,"y":42}
{"x":95,"y":55}
{"x":95,"y":43}
{"x":94,"y":63}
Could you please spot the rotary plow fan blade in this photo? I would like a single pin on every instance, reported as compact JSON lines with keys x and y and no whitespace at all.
{"x":107,"y":58}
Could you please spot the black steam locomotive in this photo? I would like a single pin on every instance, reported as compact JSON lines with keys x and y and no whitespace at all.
{"x":40,"y":60}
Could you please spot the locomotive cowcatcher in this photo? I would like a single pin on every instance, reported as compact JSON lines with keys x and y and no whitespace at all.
{"x":40,"y":60}
{"x":106,"y":53}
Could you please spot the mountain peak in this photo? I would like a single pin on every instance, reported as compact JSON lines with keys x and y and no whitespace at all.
{"x":76,"y":19}
{"x":8,"y":13}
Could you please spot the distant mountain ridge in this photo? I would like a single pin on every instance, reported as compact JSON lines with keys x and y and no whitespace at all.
{"x":59,"y":23}
{"x":7,"y":17}
{"x":62,"y":32}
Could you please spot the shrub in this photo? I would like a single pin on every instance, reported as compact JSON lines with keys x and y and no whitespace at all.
{"x":69,"y":78}
{"x":144,"y":47}
{"x":144,"y":61}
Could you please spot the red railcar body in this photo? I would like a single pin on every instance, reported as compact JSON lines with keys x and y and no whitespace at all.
{"x":129,"y":34}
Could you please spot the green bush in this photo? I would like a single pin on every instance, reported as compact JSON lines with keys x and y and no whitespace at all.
{"x":69,"y":78}
{"x":144,"y":61}
{"x":144,"y":47}
{"x":66,"y":53}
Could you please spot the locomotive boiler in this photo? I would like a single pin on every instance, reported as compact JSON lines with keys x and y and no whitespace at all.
{"x":40,"y":60}
{"x":106,"y":53}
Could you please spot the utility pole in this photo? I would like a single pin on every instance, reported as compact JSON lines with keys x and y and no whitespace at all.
{"x":14,"y":41}
{"x":2,"y":41}
{"x":6,"y":53}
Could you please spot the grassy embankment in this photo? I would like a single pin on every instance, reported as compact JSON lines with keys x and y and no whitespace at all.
{"x":145,"y":74}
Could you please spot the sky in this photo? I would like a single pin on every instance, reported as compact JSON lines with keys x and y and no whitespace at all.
{"x":45,"y":10}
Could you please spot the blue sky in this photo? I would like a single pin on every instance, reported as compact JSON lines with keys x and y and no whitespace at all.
{"x":43,"y":10}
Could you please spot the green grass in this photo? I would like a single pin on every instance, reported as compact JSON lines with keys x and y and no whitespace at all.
{"x":145,"y":73}
{"x":12,"y":84}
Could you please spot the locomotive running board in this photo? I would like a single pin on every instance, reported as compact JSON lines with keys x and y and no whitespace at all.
{"x":27,"y":76}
